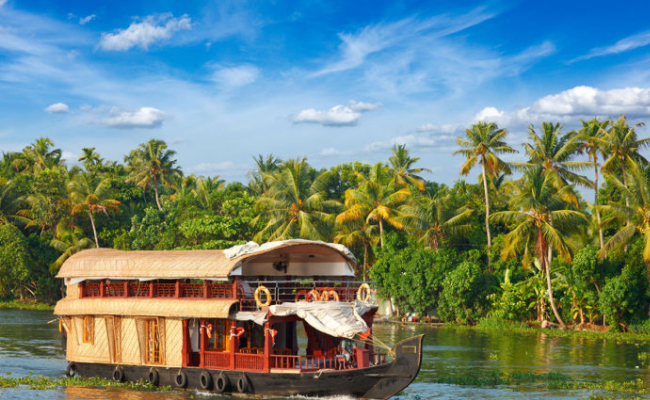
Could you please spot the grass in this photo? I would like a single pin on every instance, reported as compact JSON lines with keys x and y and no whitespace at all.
{"x":553,"y":380}
{"x":498,"y":325}
{"x":19,"y":305}
{"x":47,"y":383}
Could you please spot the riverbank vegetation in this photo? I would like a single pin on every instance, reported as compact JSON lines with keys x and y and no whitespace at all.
{"x":519,"y":243}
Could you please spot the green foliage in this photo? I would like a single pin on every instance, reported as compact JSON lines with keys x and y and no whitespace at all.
{"x":412,"y":275}
{"x":464,"y":295}
{"x":16,"y":262}
{"x":624,"y":298}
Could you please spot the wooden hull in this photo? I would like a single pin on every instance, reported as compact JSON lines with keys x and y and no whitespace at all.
{"x":378,"y":382}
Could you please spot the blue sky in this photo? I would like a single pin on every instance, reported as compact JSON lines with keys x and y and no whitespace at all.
{"x":332,"y":81}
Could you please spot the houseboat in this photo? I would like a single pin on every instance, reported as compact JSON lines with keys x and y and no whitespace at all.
{"x":231,"y":321}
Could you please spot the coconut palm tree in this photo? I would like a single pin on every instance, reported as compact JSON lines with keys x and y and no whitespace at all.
{"x":435,"y":218}
{"x":591,"y":140}
{"x":9,"y":201}
{"x":90,"y":158}
{"x":205,"y":187}
{"x":89,"y":193}
{"x":263,"y":166}
{"x":376,"y":200}
{"x":538,"y":202}
{"x":38,"y":156}
{"x":295,"y":206}
{"x":152,"y":165}
{"x":553,"y":150}
{"x":401,"y":165}
{"x":68,"y":241}
{"x":622,"y":147}
{"x":634,"y":216}
{"x":485,"y":141}
{"x":358,"y":233}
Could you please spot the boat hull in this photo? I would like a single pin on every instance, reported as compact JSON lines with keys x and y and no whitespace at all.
{"x":377,"y":382}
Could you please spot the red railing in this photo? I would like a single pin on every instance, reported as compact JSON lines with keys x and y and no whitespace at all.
{"x":164,"y":290}
{"x":91,"y":290}
{"x":139,"y":289}
{"x":309,"y":363}
{"x":220,"y":291}
{"x":193,"y":290}
{"x":114,"y":290}
{"x":216,"y":359}
{"x":249,"y":362}
{"x":158,"y":290}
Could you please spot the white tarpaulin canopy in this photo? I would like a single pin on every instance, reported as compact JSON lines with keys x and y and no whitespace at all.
{"x":336,"y":319}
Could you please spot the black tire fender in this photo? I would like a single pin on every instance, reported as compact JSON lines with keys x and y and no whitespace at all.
{"x":71,"y":370}
{"x":222,"y":384}
{"x":242,"y":384}
{"x":205,"y":380}
{"x":118,"y":374}
{"x":181,"y":379}
{"x":153,"y":377}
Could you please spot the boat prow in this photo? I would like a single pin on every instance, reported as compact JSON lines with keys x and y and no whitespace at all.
{"x":403,"y":371}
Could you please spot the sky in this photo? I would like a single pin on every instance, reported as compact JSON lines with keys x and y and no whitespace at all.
{"x":333,"y":81}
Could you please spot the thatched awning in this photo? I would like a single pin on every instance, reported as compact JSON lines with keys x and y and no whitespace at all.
{"x":203,"y":264}
{"x":173,"y":308}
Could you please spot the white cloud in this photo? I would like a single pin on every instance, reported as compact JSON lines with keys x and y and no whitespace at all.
{"x":225,"y":169}
{"x":441,"y":129}
{"x":57,"y":108}
{"x":629,"y":43}
{"x":339,"y":115}
{"x":329,"y":151}
{"x":87,"y":19}
{"x":145,"y":117}
{"x":233,"y":77}
{"x":363,"y":107}
{"x":70,"y":157}
{"x":335,"y":116}
{"x":145,"y":33}
{"x":411,"y":141}
{"x":488,"y":114}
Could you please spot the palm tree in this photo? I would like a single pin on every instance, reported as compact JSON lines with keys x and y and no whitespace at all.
{"x":591,"y":139}
{"x":296,"y":206}
{"x":9,"y":201}
{"x":205,"y":187}
{"x":264,"y":166}
{"x":434,"y":219}
{"x":636,"y":212}
{"x":377,"y":200}
{"x":484,"y":142}
{"x":68,"y":241}
{"x":358,"y":233}
{"x":553,"y":150}
{"x":90,"y":158}
{"x":622,"y":147}
{"x":535,"y":205}
{"x":38,"y":156}
{"x":152,"y":165}
{"x":89,"y":193}
{"x":401,"y":165}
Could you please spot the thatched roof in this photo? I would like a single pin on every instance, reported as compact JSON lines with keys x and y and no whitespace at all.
{"x":174,"y":308}
{"x":188,"y":264}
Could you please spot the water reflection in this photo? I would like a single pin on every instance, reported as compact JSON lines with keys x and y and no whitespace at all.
{"x":29,"y":344}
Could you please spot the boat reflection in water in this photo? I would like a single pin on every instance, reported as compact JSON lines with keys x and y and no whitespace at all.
{"x":228,"y":321}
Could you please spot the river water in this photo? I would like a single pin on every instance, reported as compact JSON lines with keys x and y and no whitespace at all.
{"x":29,"y":345}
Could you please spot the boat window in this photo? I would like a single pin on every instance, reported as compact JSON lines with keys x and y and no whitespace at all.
{"x":153,"y":350}
{"x":89,"y":330}
{"x":220,"y":335}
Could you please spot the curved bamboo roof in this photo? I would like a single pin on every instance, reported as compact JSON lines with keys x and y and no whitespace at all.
{"x":189,"y":264}
{"x":173,"y":308}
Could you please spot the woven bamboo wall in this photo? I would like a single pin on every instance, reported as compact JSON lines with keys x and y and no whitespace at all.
{"x":129,"y":346}
{"x":98,"y":351}
{"x":72,"y":292}
{"x":174,"y":342}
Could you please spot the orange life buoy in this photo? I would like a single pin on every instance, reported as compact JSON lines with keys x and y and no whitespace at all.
{"x":313,"y":294}
{"x":208,"y":330}
{"x":302,"y":293}
{"x":363,"y":294}
{"x":328,"y":294}
{"x":257,"y":296}
{"x":365,"y":335}
{"x":239,"y":331}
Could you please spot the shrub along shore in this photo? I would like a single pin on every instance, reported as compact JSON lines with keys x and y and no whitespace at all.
{"x":519,"y":242}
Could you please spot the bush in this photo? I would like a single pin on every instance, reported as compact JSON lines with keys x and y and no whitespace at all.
{"x":624,"y":299}
{"x":464,"y":294}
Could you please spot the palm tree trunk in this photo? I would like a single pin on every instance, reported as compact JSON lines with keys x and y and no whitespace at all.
{"x":365,"y":259}
{"x":381,"y":233}
{"x":600,"y":228}
{"x":155,"y":189}
{"x":487,"y":207}
{"x":92,"y":222}
{"x":549,"y":286}
{"x":627,"y":199}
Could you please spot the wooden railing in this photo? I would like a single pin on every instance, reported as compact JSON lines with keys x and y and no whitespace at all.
{"x":249,"y":362}
{"x":310,"y":363}
{"x":216,"y":359}
{"x":153,"y":289}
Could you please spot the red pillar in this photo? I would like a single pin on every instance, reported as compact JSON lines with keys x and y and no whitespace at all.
{"x":268,"y":346}
{"x":178,"y":288}
{"x":126,"y":288}
{"x":234,"y":343}
{"x":205,"y":289}
{"x":102,"y":288}
{"x":203,"y":342}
